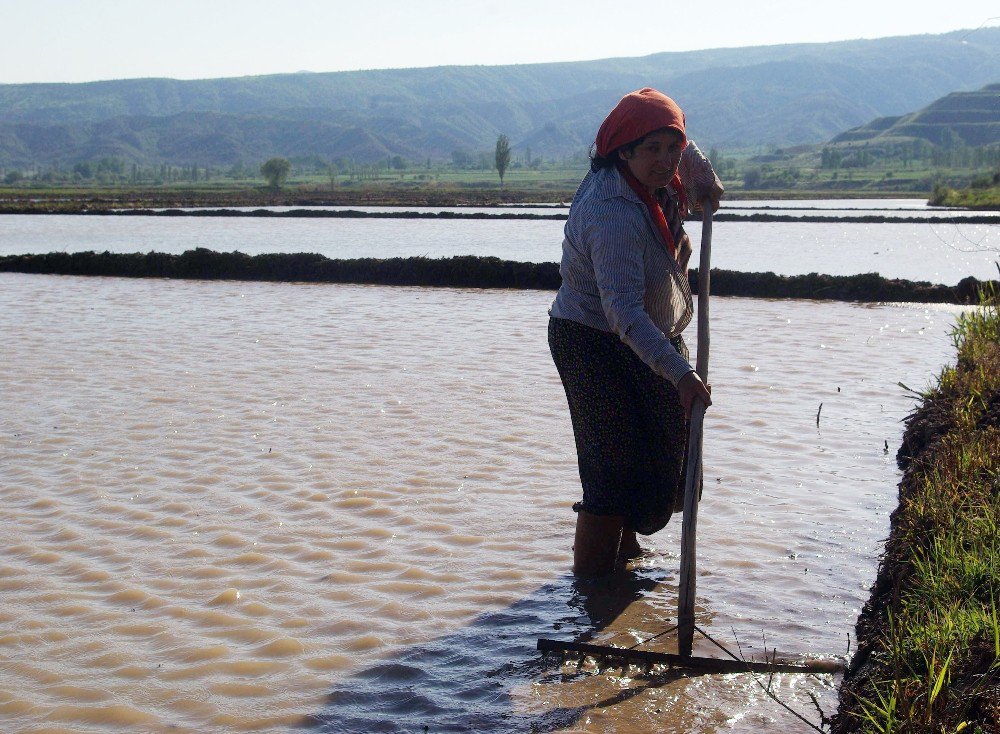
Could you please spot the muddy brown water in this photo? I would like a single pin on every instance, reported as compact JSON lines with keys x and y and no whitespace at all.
{"x":250,"y":506}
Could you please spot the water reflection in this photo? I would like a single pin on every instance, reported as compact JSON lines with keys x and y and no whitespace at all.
{"x":463,"y":681}
{"x":182,"y":461}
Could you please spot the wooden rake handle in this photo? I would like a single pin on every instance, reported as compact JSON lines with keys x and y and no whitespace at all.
{"x":693,"y":480}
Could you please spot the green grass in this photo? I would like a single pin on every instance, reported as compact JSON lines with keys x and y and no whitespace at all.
{"x":936,"y":660}
{"x":778,"y":176}
{"x":976,"y":197}
{"x":789,"y":177}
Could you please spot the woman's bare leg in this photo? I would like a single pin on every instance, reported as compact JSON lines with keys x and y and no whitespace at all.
{"x":595,"y":548}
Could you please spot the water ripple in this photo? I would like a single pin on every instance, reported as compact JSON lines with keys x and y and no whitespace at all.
{"x":229,"y":508}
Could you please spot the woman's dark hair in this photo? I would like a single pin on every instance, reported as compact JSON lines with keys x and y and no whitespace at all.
{"x":611,"y":159}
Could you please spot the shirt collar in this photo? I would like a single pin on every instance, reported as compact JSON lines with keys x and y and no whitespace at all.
{"x":609,"y":184}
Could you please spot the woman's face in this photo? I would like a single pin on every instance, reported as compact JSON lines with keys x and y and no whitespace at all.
{"x":654,"y":161}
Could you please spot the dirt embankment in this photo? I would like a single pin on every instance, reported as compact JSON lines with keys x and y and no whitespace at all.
{"x":542,"y":211}
{"x":79,"y":201}
{"x":464,"y":272}
{"x":928,"y":658}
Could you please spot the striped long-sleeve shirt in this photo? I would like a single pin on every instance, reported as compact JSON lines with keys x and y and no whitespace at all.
{"x":618,"y":276}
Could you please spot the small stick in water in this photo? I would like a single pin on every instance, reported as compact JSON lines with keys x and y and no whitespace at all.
{"x":817,"y":414}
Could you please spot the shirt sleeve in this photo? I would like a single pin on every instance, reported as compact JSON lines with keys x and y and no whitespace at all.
{"x":616,"y":251}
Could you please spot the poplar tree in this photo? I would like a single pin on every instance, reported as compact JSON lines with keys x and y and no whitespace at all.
{"x":502,"y":156}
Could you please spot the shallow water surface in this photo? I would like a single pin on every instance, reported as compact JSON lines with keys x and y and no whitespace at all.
{"x":935,"y":252}
{"x":253,"y":506}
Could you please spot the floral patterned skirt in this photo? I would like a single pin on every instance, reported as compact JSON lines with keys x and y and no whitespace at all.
{"x":628,"y":423}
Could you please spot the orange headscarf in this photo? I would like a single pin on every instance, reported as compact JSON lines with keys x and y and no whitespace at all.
{"x":636,"y":115}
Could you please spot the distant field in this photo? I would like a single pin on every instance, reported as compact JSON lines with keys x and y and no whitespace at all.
{"x":442,"y":185}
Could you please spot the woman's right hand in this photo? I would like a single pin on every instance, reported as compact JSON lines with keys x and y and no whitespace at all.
{"x":700,"y":179}
{"x":691,"y":388}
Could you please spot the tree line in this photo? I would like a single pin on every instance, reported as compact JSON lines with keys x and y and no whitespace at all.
{"x":908,"y":153}
{"x":831,"y":166}
{"x":275,"y":171}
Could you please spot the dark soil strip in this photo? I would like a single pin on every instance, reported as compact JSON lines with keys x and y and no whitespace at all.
{"x":463,"y":272}
{"x":356,"y":214}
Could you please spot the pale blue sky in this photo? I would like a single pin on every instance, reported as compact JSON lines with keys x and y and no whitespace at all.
{"x":85,"y":40}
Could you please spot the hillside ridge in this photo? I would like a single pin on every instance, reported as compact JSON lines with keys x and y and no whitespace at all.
{"x":740,"y":98}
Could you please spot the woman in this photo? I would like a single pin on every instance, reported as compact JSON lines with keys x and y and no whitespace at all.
{"x":615,"y":325}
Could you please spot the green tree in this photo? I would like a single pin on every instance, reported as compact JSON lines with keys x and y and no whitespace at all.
{"x":83,"y":169}
{"x":502,"y":158}
{"x":753,"y":178}
{"x":275,"y":170}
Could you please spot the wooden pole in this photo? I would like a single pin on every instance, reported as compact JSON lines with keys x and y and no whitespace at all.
{"x":693,"y":480}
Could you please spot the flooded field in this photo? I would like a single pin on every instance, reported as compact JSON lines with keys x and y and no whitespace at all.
{"x":935,"y":252}
{"x":251,"y":506}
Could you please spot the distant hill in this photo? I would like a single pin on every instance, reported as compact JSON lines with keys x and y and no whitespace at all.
{"x":972,"y":118}
{"x":734,"y":99}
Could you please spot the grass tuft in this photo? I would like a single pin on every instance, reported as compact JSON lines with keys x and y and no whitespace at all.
{"x":929,"y":641}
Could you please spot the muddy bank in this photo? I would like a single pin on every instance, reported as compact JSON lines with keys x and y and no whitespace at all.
{"x":540,"y":214}
{"x":928,"y":657}
{"x":74,"y":201}
{"x":463,"y":272}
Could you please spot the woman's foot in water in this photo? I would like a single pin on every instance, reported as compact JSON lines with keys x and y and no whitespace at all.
{"x":596,"y":545}
{"x":629,"y":547}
